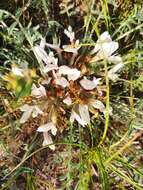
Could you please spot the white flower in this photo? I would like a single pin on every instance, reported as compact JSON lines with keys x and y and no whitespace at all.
{"x":62,"y":82}
{"x":104,"y":49}
{"x":107,"y":49}
{"x":83,"y":117}
{"x":48,"y":140}
{"x":50,"y":67}
{"x":41,"y":54}
{"x":73,"y":48}
{"x":46,"y":81}
{"x":84,"y":113}
{"x":88,"y":84}
{"x":97,"y":104}
{"x":74,"y":116}
{"x":112,"y":72}
{"x":67,"y":101}
{"x":52,"y":63}
{"x":52,"y":58}
{"x":70,"y":34}
{"x":28,"y":111}
{"x":48,"y":127}
{"x":47,"y":137}
{"x":103,"y":38}
{"x":38,"y":92}
{"x":17,"y":71}
{"x":115,"y":59}
{"x":43,"y":43}
{"x":54,"y":46}
{"x":72,"y":74}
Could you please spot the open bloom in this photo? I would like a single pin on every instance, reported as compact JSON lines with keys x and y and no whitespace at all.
{"x":62,"y":81}
{"x":72,"y":73}
{"x":89,"y":84}
{"x":28,"y":111}
{"x":97,"y":104}
{"x":73,"y":48}
{"x":82,"y":112}
{"x":47,"y":137}
{"x":51,"y":62}
{"x":52,"y":59}
{"x":82,"y":117}
{"x":41,"y":54}
{"x":70,"y":34}
{"x":112,"y":73}
{"x":38,"y":92}
{"x":105,"y":48}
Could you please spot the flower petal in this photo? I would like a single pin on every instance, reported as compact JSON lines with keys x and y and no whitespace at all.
{"x":47,"y":127}
{"x":107,"y":49}
{"x":73,"y":48}
{"x":67,"y":101}
{"x":104,"y":37}
{"x":117,"y":67}
{"x":25,"y":107}
{"x":47,"y":81}
{"x":74,"y":116}
{"x":48,"y":140}
{"x":50,"y":67}
{"x":112,"y":72}
{"x":52,"y":58}
{"x":70,"y":34}
{"x":72,"y":73}
{"x":43,"y":43}
{"x":110,"y":111}
{"x":41,"y":54}
{"x":104,"y":48}
{"x":88,"y":84}
{"x":36,"y":111}
{"x":98,"y":105}
{"x":62,"y":82}
{"x":84,"y":113}
{"x":115,"y":59}
{"x":64,"y":70}
{"x":70,"y":48}
{"x":27,"y":113}
{"x":38,"y":92}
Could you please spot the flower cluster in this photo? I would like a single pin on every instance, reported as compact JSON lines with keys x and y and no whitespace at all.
{"x":77,"y":95}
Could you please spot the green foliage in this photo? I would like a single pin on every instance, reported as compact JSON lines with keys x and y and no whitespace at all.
{"x":138,"y":83}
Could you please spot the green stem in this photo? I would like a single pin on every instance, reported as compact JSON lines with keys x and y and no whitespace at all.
{"x":107,"y":105}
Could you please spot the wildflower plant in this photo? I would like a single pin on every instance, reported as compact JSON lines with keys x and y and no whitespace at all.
{"x":67,"y":90}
